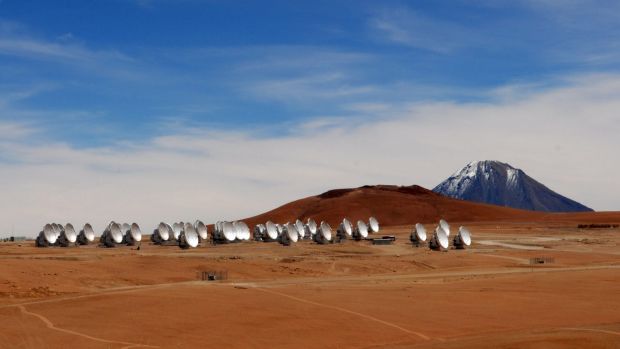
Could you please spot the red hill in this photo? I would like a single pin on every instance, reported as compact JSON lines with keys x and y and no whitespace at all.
{"x":404,"y":205}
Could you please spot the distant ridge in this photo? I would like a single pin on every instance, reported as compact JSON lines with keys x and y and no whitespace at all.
{"x":498,"y":183}
{"x":407,"y":205}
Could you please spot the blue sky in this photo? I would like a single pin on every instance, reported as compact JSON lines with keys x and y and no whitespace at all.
{"x":82,"y":80}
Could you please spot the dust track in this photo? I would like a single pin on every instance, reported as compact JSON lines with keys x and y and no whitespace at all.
{"x":51,"y":326}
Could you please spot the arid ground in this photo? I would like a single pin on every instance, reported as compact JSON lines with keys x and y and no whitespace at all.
{"x":349,"y":295}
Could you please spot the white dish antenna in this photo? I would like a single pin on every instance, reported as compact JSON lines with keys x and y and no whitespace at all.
{"x":289,"y":235}
{"x":228,"y":230}
{"x":324,"y":234}
{"x":69,"y":233}
{"x":418,"y":234}
{"x":280,"y":229}
{"x":301,"y":229}
{"x":311,"y":227}
{"x":50,"y":234}
{"x":345,"y":229}
{"x":271,"y":230}
{"x":177,"y":229}
{"x":373,"y":225}
{"x":361,"y":231}
{"x":189,"y":237}
{"x":135,"y":232}
{"x":164,"y":231}
{"x":89,"y":232}
{"x":445,"y":226}
{"x":116,"y":233}
{"x":57,"y":229}
{"x":462,"y":239}
{"x":439,"y":240}
{"x":245,"y":230}
{"x":201,"y":229}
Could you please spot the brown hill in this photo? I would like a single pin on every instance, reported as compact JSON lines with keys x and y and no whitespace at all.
{"x":404,"y":205}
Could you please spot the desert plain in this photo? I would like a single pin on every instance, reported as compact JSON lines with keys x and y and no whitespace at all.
{"x":346,"y":295}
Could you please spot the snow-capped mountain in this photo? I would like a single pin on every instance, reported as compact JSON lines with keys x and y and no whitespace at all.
{"x":498,"y":183}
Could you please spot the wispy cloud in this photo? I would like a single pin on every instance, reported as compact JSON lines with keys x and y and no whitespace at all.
{"x":406,"y":27}
{"x":218,"y":174}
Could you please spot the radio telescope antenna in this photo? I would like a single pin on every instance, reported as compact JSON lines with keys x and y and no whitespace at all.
{"x":373,"y":225}
{"x":418,"y":235}
{"x":439,"y":241}
{"x":462,"y":239}
{"x":361,"y":231}
{"x":345,"y":230}
{"x":445,"y":226}
{"x":188,"y":237}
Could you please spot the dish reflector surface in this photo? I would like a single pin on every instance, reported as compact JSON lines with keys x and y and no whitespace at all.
{"x":50,"y":234}
{"x":291,"y":232}
{"x":89,"y":233}
{"x":272,"y":230}
{"x":191,"y":235}
{"x":362,"y":228}
{"x":442,"y":237}
{"x":465,"y":236}
{"x":326,"y":231}
{"x":201,"y":229}
{"x":373,"y":225}
{"x":164,"y":231}
{"x":445,"y":226}
{"x":177,"y":228}
{"x":70,"y":233}
{"x":136,"y":233}
{"x":312,"y":227}
{"x":300,"y":227}
{"x":348,"y":228}
{"x":229,"y":231}
{"x":420,"y":232}
{"x":116,"y":234}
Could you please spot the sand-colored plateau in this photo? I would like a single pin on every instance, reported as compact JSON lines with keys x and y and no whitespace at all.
{"x":349,"y":295}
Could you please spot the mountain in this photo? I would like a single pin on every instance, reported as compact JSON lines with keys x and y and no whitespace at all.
{"x":497,"y":183}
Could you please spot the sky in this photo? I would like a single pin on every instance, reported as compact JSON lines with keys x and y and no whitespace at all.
{"x":162,"y":110}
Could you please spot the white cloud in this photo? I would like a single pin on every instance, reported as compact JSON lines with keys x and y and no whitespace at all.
{"x":565,"y":137}
{"x":409,"y":28}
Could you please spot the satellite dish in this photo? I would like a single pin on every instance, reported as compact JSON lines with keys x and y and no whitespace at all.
{"x":289,"y":235}
{"x":177,"y":228}
{"x":311,"y":227}
{"x":324,"y":234}
{"x":373,"y":225}
{"x":301,"y":229}
{"x":201,"y":229}
{"x":50,"y":234}
{"x":238,"y":231}
{"x":418,"y":234}
{"x":445,"y":226}
{"x":86,"y":235}
{"x":462,"y":239}
{"x":112,"y":235}
{"x":439,"y":240}
{"x":164,"y":231}
{"x":116,"y":233}
{"x":271,"y":231}
{"x":228,"y":231}
{"x":280,"y":229}
{"x":345,"y":229}
{"x":244,"y":230}
{"x":57,"y":229}
{"x":69,"y":236}
{"x":134,"y":234}
{"x":189,"y":237}
{"x":361,"y":231}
